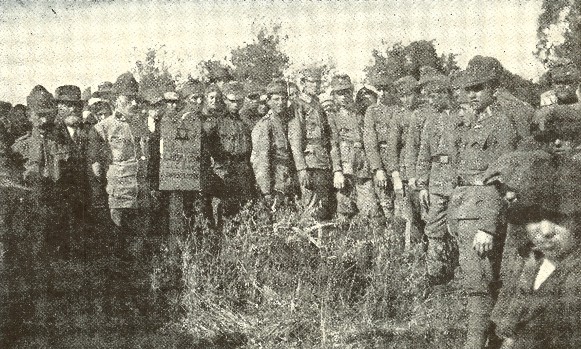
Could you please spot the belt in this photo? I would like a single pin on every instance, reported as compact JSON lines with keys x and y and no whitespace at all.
{"x":442,"y":159}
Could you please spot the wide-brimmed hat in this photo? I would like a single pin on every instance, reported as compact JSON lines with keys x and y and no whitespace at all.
{"x":126,"y":85}
{"x":104,"y":90}
{"x":68,"y":94}
{"x":341,"y":82}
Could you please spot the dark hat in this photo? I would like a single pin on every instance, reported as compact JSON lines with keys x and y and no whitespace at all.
{"x":5,"y":107}
{"x":98,"y":105}
{"x":481,"y":69}
{"x":341,"y":82}
{"x":406,"y":84}
{"x":253,"y":90}
{"x":40,"y":100}
{"x":191,"y":87}
{"x":565,"y":72}
{"x":233,"y":90}
{"x":277,"y":87}
{"x":126,"y":85}
{"x":433,"y":80}
{"x":68,"y":93}
{"x":546,"y":186}
{"x":557,"y":122}
{"x":104,"y":89}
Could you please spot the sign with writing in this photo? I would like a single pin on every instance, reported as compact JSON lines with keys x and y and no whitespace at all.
{"x":180,"y":152}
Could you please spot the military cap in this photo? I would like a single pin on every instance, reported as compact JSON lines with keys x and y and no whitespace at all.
{"x":433,"y":80}
{"x":341,"y":82}
{"x":191,"y":87}
{"x":5,"y":107}
{"x":565,"y":73}
{"x":253,"y":90}
{"x":480,"y":70}
{"x":126,"y":85}
{"x":277,"y":87}
{"x":68,"y":93}
{"x":104,"y":89}
{"x":233,"y":90}
{"x":406,"y":84}
{"x":40,"y":100}
{"x":313,"y":74}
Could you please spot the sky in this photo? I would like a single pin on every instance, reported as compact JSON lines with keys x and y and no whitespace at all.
{"x":86,"y":42}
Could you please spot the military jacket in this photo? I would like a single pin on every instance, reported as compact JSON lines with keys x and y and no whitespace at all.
{"x":397,"y":145}
{"x":376,"y":136}
{"x":348,"y":125}
{"x":519,"y":112}
{"x":313,"y":144}
{"x":435,"y":166}
{"x":122,"y":144}
{"x":413,"y":138}
{"x":271,"y":155}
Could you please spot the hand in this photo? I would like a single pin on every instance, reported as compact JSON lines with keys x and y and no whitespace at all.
{"x":412,"y":184}
{"x":304,"y":179}
{"x":97,"y":169}
{"x":397,"y":183}
{"x":548,"y":98}
{"x":482,"y":242}
{"x":424,"y":196}
{"x":508,"y":343}
{"x":338,"y":180}
{"x":380,"y":179}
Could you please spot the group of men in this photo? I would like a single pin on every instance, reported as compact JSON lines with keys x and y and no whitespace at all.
{"x":203,"y":152}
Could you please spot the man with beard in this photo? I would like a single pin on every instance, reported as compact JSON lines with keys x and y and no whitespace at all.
{"x":315,"y":149}
{"x":271,"y":155}
{"x":72,"y":186}
{"x":476,"y":210}
{"x":229,"y":144}
{"x":355,"y":191}
{"x":437,"y":177}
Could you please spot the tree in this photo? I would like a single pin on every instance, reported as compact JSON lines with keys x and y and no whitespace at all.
{"x":559,"y":31}
{"x":154,"y":72}
{"x":213,"y":70}
{"x":261,"y":60}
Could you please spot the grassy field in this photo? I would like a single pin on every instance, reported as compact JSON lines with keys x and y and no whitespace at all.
{"x":293,"y":284}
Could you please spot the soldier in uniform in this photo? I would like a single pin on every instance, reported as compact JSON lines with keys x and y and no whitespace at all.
{"x":229,"y":143}
{"x":271,"y":154}
{"x":249,"y":111}
{"x":355,"y":190}
{"x":315,"y":150}
{"x":376,"y":129}
{"x":437,"y":176}
{"x":476,"y":210}
{"x":401,"y":166}
{"x":364,"y":98}
{"x":563,"y":77}
{"x":117,"y":149}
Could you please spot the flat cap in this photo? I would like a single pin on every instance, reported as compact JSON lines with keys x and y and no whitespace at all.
{"x":126,"y":85}
{"x":341,"y":82}
{"x":40,"y":100}
{"x":191,"y":87}
{"x":68,"y":93}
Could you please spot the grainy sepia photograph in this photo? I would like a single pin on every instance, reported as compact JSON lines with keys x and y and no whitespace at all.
{"x":290,"y":174}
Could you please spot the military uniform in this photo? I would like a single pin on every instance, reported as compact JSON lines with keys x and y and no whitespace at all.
{"x":476,"y":208}
{"x":358,"y":195}
{"x":315,"y":150}
{"x":377,"y":130}
{"x":272,"y":157}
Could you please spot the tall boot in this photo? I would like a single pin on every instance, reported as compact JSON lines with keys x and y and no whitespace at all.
{"x":479,"y":324}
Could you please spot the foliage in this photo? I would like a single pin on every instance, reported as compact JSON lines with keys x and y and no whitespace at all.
{"x":559,"y":17}
{"x":154,"y":71}
{"x":213,"y":70}
{"x":262,"y":59}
